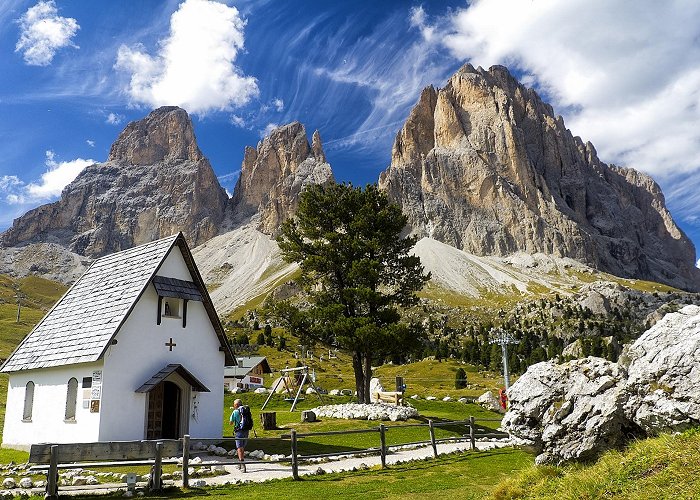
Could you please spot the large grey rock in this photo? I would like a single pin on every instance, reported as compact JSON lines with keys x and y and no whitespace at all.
{"x":663,"y":368}
{"x":570,"y":411}
{"x":489,"y":401}
{"x":484,"y":165}
{"x":578,"y":409}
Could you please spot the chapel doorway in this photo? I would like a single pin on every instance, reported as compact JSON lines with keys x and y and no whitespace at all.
{"x":164,"y":409}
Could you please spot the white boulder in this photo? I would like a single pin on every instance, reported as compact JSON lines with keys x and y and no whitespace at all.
{"x":490,"y":402}
{"x":375,"y":386}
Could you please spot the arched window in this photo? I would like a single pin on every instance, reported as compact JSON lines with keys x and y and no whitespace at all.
{"x":71,"y":398}
{"x":28,"y":401}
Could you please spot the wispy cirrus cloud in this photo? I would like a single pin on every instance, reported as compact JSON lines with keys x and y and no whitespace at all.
{"x":43,"y":32}
{"x":194,"y":66}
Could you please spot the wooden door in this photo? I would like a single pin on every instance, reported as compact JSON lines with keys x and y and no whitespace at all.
{"x":154,"y":428}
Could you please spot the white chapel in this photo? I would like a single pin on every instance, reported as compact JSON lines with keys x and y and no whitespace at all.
{"x":133,"y":350}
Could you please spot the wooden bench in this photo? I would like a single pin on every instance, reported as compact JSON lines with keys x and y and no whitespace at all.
{"x":51,"y":457}
{"x":393,"y":397}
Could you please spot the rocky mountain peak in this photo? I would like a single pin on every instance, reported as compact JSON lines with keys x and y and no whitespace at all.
{"x":485,"y":165}
{"x":274,"y":174}
{"x":166,"y":134}
{"x":155,"y":183}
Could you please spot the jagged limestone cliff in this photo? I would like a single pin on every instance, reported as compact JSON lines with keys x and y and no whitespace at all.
{"x":484,"y":165}
{"x":155,"y":183}
{"x":274,"y":174}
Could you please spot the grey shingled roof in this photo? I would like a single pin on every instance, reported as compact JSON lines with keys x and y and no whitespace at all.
{"x":173,"y":287}
{"x":163,"y":374}
{"x":84,"y":321}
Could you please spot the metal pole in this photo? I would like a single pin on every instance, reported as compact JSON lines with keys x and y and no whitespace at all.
{"x":506,"y":375}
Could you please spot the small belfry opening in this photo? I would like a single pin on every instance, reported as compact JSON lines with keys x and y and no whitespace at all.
{"x":171,"y":308}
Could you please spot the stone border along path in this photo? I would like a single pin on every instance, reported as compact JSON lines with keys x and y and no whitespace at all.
{"x":261,"y":472}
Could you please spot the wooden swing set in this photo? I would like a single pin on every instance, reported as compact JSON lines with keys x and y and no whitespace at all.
{"x":293,"y":385}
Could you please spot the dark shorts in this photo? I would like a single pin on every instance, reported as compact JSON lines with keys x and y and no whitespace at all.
{"x":243,"y":436}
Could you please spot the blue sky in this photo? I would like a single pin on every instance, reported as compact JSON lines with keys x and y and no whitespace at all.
{"x":625,"y":75}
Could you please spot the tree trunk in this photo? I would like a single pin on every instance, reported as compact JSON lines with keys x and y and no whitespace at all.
{"x":359,"y":377}
{"x":367,"y":376}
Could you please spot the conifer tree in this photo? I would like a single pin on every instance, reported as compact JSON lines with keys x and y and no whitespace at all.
{"x":356,"y":271}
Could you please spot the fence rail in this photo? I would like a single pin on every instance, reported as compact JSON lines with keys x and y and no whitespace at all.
{"x":383,"y":448}
{"x":50,"y":457}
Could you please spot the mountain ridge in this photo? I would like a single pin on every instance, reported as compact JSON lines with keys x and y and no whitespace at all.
{"x":484,"y":165}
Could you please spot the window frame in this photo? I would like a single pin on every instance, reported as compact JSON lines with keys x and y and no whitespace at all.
{"x":28,"y":408}
{"x":71,"y":393}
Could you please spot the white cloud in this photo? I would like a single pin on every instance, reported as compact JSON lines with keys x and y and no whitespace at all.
{"x":236,"y":120}
{"x":43,"y":32}
{"x":114,"y":119}
{"x":90,"y":143}
{"x":697,"y":264}
{"x":194,"y":66}
{"x":268,"y":129}
{"x":625,"y":75}
{"x":11,"y":186}
{"x":278,"y":104}
{"x":418,"y":19}
{"x":57,"y":176}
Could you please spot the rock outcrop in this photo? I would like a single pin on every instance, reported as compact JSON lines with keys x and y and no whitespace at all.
{"x":577,"y":410}
{"x":484,"y":165}
{"x":155,"y":182}
{"x":274,"y":174}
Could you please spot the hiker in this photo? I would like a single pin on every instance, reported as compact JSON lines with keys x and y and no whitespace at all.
{"x":242,"y":422}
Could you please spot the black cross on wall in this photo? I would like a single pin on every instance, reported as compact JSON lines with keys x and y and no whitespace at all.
{"x":170,"y":344}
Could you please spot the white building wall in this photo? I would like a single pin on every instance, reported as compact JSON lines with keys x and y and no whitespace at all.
{"x":48,"y":424}
{"x":141,"y":352}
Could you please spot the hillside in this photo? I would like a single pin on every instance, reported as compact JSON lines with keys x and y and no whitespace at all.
{"x":665,"y":467}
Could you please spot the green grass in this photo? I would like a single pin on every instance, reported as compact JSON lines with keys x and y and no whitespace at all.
{"x":665,"y":467}
{"x":396,"y":434}
{"x":39,"y":295}
{"x":463,"y":476}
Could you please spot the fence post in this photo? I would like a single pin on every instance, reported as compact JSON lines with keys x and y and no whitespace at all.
{"x":52,"y":480}
{"x":471,"y":432}
{"x":157,"y":472}
{"x":186,"y":461}
{"x":432,"y":438}
{"x":295,"y":463}
{"x":382,"y":440}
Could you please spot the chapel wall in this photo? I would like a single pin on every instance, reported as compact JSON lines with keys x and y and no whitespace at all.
{"x":48,"y":424}
{"x":141,"y":352}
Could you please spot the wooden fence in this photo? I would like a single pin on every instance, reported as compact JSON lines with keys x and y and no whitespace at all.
{"x":51,"y":457}
{"x":474,"y":433}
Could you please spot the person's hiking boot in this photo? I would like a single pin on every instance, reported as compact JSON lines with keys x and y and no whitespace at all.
{"x":241,"y":467}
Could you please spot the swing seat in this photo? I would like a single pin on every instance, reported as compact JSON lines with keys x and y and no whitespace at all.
{"x":291,"y":400}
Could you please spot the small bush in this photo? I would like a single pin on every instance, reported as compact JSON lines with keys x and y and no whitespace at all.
{"x":460,"y":378}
